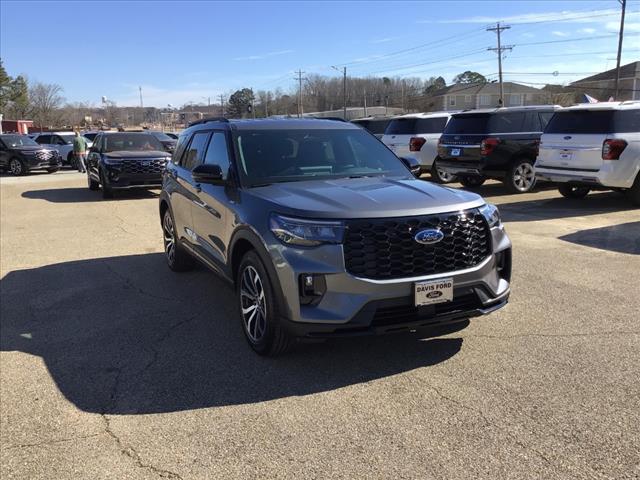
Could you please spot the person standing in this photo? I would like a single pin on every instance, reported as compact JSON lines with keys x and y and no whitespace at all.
{"x":80,"y":152}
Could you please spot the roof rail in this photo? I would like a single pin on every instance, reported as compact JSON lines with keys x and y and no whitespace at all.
{"x":337,"y":119}
{"x":209,"y":119}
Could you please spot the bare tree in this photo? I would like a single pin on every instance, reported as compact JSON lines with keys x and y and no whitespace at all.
{"x":46,"y":100}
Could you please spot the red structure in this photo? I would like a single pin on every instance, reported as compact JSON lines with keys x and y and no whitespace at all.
{"x":16,"y":126}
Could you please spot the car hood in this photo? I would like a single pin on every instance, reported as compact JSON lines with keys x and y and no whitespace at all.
{"x":136,"y":154}
{"x":30,"y":148}
{"x":364,"y":198}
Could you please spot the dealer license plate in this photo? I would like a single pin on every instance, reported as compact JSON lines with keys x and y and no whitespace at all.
{"x":433,"y":291}
{"x":455,"y":152}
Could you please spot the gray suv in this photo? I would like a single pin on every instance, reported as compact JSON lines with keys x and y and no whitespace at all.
{"x":326,"y":233}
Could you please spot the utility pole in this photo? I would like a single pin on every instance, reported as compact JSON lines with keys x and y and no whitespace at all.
{"x":498,"y":28}
{"x":253,"y":105}
{"x":222,"y":105}
{"x":624,"y":6}
{"x":344,"y":90}
{"x":141,"y":105}
{"x":402,"y":103}
{"x":365,"y":102}
{"x":266,"y":105}
{"x":300,"y":108}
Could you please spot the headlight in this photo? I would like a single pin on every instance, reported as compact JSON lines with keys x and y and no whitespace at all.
{"x":305,"y":233}
{"x":491,"y":214}
{"x":112,"y":161}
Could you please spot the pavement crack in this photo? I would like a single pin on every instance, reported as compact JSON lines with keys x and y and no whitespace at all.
{"x":50,"y":442}
{"x":129,"y":283}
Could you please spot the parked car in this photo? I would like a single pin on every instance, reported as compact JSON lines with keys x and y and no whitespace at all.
{"x":119,"y":161}
{"x":325,"y":233}
{"x":499,"y":143}
{"x":417,"y":135}
{"x":172,"y":135}
{"x":375,"y":125}
{"x":593,"y":147}
{"x":19,"y":154}
{"x":62,"y":142}
{"x":168,"y":143}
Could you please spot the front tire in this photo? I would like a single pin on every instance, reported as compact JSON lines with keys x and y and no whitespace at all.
{"x":439,"y":175}
{"x":17,"y":167}
{"x":472,"y":181}
{"x":573,"y":191}
{"x":91,"y":183}
{"x":107,"y":191}
{"x":52,"y":170}
{"x":177,"y":258}
{"x":521,"y":177}
{"x":259,"y":312}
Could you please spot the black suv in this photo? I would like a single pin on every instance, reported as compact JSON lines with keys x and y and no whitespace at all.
{"x":500,"y":143}
{"x":124,"y":160}
{"x":326,"y":233}
{"x":20,"y":154}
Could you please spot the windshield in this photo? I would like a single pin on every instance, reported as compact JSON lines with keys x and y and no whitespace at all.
{"x":18,"y":141}
{"x":118,"y":142}
{"x":412,"y":126}
{"x":595,"y":121}
{"x":271,"y":156}
{"x":163,"y":137}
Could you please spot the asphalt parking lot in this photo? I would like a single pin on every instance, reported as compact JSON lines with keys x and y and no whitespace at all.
{"x":114,"y":367}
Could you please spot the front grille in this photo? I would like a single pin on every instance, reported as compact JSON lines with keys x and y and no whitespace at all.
{"x":386,"y":316}
{"x":382,"y":249}
{"x":44,"y":155}
{"x":143,"y":166}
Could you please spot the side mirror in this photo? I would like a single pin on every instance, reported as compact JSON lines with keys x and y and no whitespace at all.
{"x":207,"y":173}
{"x":413,"y":165}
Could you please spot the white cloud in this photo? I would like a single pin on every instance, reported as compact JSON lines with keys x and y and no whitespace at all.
{"x":527,"y":35}
{"x":383,"y":40}
{"x":558,"y":33}
{"x":264,"y":55}
{"x":589,"y":31}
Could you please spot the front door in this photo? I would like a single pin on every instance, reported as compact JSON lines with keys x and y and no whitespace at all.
{"x":210,"y":210}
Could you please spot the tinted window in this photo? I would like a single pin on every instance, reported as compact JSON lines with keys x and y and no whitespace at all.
{"x":195,"y":152}
{"x":43,"y":139}
{"x":627,"y":121}
{"x":163,"y":137}
{"x":90,"y":136}
{"x":375,"y":126}
{"x":544,"y":118}
{"x":18,"y":141}
{"x":507,"y":122}
{"x":531,"y":122}
{"x":268,"y":156}
{"x":217,"y":153}
{"x":582,"y":121}
{"x":410,"y":126}
{"x":118,"y":142}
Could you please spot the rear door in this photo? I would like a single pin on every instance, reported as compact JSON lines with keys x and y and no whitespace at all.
{"x":573,"y":139}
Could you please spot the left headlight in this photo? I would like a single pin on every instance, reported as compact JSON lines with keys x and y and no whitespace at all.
{"x":305,"y":233}
{"x":491,"y":214}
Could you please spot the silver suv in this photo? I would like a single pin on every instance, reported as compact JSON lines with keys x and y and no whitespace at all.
{"x":325,"y":232}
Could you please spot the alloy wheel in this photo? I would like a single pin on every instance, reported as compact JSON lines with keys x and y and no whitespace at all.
{"x":169,"y":237}
{"x":524,"y":177}
{"x":16,"y":166}
{"x":253,"y":304}
{"x":445,"y":176}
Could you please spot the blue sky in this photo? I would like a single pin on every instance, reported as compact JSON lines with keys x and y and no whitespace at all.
{"x":182,"y":52}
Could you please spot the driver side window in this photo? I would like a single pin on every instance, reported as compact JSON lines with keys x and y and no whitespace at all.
{"x":194,"y":154}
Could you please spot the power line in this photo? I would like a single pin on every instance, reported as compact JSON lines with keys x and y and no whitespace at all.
{"x":580,"y":39}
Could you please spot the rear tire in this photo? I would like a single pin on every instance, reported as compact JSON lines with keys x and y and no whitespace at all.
{"x":633,"y":194}
{"x":177,"y":258}
{"x":521,"y":177}
{"x":440,"y":176}
{"x":573,"y":191}
{"x":472,"y":181}
{"x":259,"y":309}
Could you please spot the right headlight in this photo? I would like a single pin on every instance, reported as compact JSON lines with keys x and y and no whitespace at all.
{"x":305,"y":233}
{"x":111,"y":161}
{"x":491,"y":214}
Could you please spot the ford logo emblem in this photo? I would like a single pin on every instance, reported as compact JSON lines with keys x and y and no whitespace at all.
{"x":429,"y":237}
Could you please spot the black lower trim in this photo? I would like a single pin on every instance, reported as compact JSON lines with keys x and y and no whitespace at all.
{"x":570,"y":169}
{"x":399,"y":314}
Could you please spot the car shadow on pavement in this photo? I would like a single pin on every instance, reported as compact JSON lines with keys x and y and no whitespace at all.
{"x":624,"y":238}
{"x":560,"y":207}
{"x":76,"y":195}
{"x":125,"y":335}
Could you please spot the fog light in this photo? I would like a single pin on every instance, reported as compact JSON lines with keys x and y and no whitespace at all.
{"x":312,"y":288}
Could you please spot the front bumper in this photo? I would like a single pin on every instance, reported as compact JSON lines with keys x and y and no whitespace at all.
{"x":120,"y":180}
{"x":36,"y":164}
{"x":352,"y":305}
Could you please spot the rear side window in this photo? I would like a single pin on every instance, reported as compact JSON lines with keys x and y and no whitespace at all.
{"x":627,"y":121}
{"x":374,"y":126}
{"x":411,"y":126}
{"x":467,"y":124}
{"x":195,"y":152}
{"x":581,"y":121}
{"x":507,"y":123}
{"x":43,"y":139}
